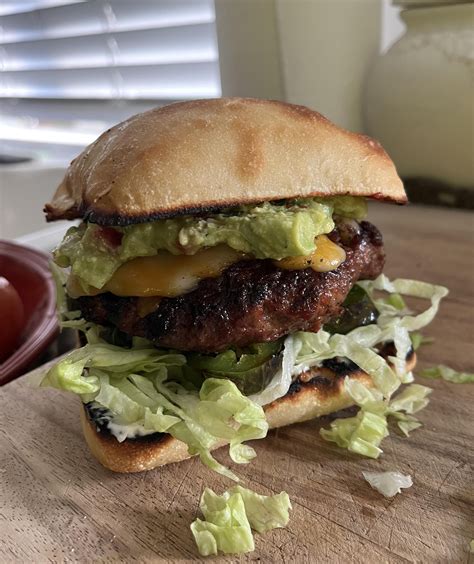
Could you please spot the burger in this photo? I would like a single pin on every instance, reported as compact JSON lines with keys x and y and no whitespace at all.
{"x":225,"y":281}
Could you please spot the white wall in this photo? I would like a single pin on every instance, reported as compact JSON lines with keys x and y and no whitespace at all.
{"x":311,"y":52}
{"x":326,"y":48}
{"x":249,"y":54}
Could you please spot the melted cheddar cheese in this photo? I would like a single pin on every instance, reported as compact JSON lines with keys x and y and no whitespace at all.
{"x":327,"y":256}
{"x":162,"y":275}
{"x":170,"y":275}
{"x":166,"y":275}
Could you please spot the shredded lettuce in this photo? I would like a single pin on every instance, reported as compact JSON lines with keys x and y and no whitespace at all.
{"x":133,"y":384}
{"x":226,"y":526}
{"x":447,"y":374}
{"x":418,"y":340}
{"x":265,"y":512}
{"x":396,"y":301}
{"x":65,"y":317}
{"x":229,"y":519}
{"x":406,"y":423}
{"x":413,"y":288}
{"x":388,"y":483}
{"x":361,"y":434}
{"x":69,"y":375}
{"x":365,"y":432}
{"x":412,"y":399}
{"x":317,"y":347}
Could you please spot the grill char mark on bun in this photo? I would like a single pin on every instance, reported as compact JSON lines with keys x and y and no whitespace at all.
{"x":310,"y":396}
{"x":211,"y":154}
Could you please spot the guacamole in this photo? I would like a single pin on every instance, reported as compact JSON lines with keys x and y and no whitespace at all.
{"x":268,"y":230}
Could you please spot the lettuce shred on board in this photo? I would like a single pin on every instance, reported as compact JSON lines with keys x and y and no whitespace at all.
{"x":230,"y":518}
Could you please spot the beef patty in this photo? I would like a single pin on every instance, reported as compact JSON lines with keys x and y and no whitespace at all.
{"x":252,"y":301}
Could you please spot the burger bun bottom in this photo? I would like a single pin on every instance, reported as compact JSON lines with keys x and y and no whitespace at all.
{"x":317,"y":392}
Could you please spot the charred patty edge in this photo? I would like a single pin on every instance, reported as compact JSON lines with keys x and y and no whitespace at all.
{"x":251,"y":301}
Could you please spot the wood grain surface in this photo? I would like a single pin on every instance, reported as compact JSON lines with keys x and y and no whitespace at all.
{"x":58,"y":504}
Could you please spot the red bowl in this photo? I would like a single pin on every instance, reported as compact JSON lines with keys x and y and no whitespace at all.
{"x":28,"y":271}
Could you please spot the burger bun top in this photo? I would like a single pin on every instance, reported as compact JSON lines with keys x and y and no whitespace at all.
{"x":203,"y":155}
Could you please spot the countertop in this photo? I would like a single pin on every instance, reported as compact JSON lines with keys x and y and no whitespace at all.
{"x":57,"y":503}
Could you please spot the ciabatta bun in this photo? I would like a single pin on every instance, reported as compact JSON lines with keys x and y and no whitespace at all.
{"x":318,"y":392}
{"x":198,"y":156}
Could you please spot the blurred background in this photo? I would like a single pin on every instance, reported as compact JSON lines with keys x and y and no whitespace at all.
{"x":401,"y":71}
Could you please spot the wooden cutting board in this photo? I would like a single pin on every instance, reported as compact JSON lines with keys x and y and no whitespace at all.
{"x":58,"y":504}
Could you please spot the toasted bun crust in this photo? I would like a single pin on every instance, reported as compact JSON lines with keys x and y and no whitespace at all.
{"x":317,"y":392}
{"x":208,"y":154}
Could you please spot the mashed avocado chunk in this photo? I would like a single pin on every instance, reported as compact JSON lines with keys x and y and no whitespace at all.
{"x":268,"y":230}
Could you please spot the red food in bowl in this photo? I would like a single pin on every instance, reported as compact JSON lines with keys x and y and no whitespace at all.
{"x":12,"y":317}
{"x":28,"y":271}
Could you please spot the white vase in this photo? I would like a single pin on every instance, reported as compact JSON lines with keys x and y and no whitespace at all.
{"x":419,"y":99}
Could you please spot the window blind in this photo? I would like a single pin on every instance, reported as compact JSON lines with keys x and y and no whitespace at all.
{"x":96,"y":62}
